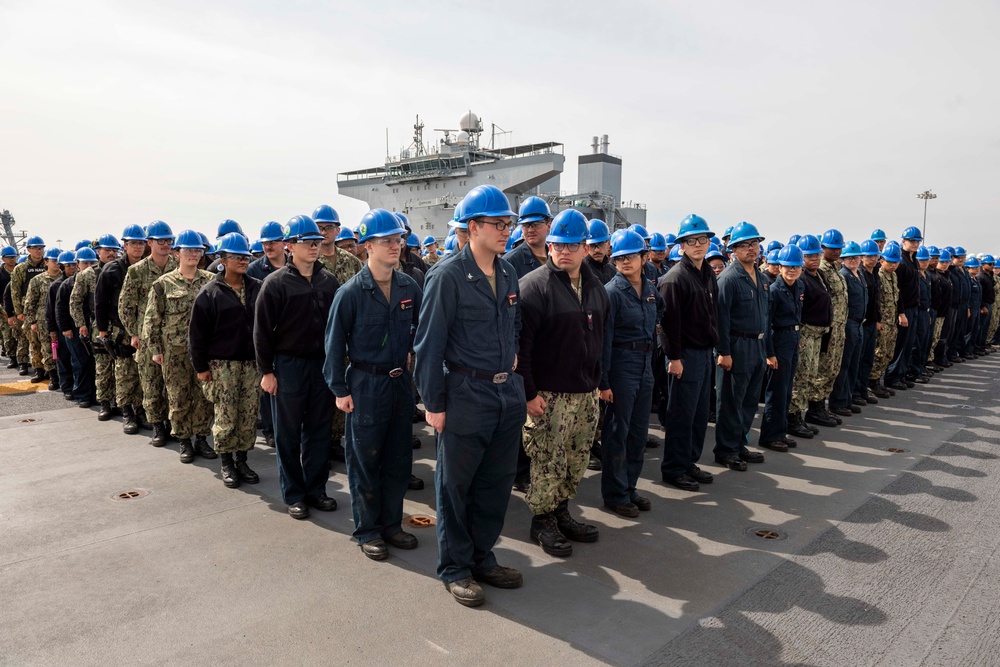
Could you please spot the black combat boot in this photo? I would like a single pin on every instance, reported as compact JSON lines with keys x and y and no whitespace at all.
{"x":106,"y":413}
{"x":230,"y":476}
{"x":246,"y":474}
{"x":129,"y":424}
{"x":13,"y":362}
{"x":187,"y":451}
{"x":159,"y":435}
{"x":25,"y":369}
{"x":202,"y":449}
{"x":140,"y":417}
{"x":39,"y":376}
{"x":545,"y":533}
{"x":571,"y":528}
{"x":816,"y":414}
{"x":797,"y":427}
{"x":53,"y":380}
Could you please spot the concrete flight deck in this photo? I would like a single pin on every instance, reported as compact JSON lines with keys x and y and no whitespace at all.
{"x":865,"y":556}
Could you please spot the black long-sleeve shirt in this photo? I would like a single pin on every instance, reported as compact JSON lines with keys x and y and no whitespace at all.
{"x":221,"y":326}
{"x":605,"y":271}
{"x":64,"y":320}
{"x":817,"y":304}
{"x":989,"y":294}
{"x":873,"y":312}
{"x":290,"y":316}
{"x":107,"y":291}
{"x":908,"y":278}
{"x":50,"y":305}
{"x":941,"y":292}
{"x":690,"y":316}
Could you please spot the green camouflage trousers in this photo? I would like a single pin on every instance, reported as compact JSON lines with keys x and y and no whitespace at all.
{"x":127,"y":388}
{"x":190,"y":411}
{"x":34,"y":346}
{"x":885,"y":346}
{"x":154,"y":396}
{"x":938,"y":327}
{"x":104,"y":377}
{"x":806,"y":380}
{"x":829,"y":361}
{"x":994,"y":322}
{"x":235,"y":394}
{"x":23,"y":353}
{"x":7,"y":337}
{"x":45,"y":350}
{"x":558,"y":444}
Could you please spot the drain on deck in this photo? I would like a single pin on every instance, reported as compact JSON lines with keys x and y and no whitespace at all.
{"x":765,"y":533}
{"x":419,"y":521}
{"x":131,"y":494}
{"x":896,"y":450}
{"x":27,"y":421}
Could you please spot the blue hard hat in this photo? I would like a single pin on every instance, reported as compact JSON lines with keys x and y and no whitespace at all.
{"x":86,"y":255}
{"x":729,"y":231}
{"x":24,"y":258}
{"x":869,"y":248}
{"x":159,"y":230}
{"x":959,"y":251}
{"x":791,"y":255}
{"x":303,"y":228}
{"x":988,"y":259}
{"x":933,"y":251}
{"x":83,"y":244}
{"x":109,"y":241}
{"x":693,"y":225}
{"x":912,"y":234}
{"x":715,"y":253}
{"x":271,"y":231}
{"x":485,"y":201}
{"x":641,"y":231}
{"x":675,"y":254}
{"x":205,"y":243}
{"x":809,"y":245}
{"x":134,"y":233}
{"x":403,"y":219}
{"x":450,"y":244}
{"x":325,"y":214}
{"x":658,"y":243}
{"x":53,"y":254}
{"x":228,"y":227}
{"x":599,"y":232}
{"x":569,"y":226}
{"x":413,"y":241}
{"x":878,"y":235}
{"x":8,"y":251}
{"x":972,"y":263}
{"x":945,"y":256}
{"x":743,"y":231}
{"x":233,"y":243}
{"x":832,"y":238}
{"x":516,"y":237}
{"x":379,"y":222}
{"x":345,"y":234}
{"x":772,"y":256}
{"x":715,"y":243}
{"x":951,"y":251}
{"x":671,"y":239}
{"x":892,"y":253}
{"x":257,"y":247}
{"x":533,"y":209}
{"x":793,"y":239}
{"x":628,"y":242}
{"x":189,"y":239}
{"x":431,"y":240}
{"x":851,"y":249}
{"x":34,"y":242}
{"x":922,"y":253}
{"x":775,"y":245}
{"x":67,"y":257}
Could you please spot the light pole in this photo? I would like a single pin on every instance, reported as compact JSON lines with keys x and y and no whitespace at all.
{"x":925,"y":195}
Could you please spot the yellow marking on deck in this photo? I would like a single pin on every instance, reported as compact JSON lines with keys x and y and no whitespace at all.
{"x":26,"y":387}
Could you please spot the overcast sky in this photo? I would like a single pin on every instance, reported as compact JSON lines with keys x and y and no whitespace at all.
{"x":795,"y":116}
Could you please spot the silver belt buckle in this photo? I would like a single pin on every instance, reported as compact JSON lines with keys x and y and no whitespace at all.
{"x":395,"y":372}
{"x":500,"y":378}
{"x":760,"y":336}
{"x":796,"y":327}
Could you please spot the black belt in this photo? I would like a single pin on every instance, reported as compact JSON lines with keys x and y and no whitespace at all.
{"x":641,"y":347}
{"x":495,"y":378}
{"x":377,"y":370}
{"x":790,"y":327}
{"x":743,"y":334}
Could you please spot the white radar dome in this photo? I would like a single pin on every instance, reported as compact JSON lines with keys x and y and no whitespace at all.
{"x":469,"y":122}
{"x":463,"y":137}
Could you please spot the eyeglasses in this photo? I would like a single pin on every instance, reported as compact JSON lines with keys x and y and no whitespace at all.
{"x":634,"y":257}
{"x":135,"y":244}
{"x":327,"y":228}
{"x":695,"y":240}
{"x":162,"y":241}
{"x":271,"y":244}
{"x":746,"y":244}
{"x":242,"y":259}
{"x":192,"y":251}
{"x":500,"y":225}
{"x":388,"y":240}
{"x":311,"y":243}
{"x":533,"y":225}
{"x":559,"y":247}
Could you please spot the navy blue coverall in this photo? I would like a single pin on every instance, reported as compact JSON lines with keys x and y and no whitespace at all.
{"x":857,"y":305}
{"x":785,"y":318}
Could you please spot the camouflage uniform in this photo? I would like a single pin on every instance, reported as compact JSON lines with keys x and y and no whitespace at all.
{"x":829,"y":361}
{"x":28,"y":344}
{"x":81,"y":309}
{"x":347,"y":265}
{"x":168,"y":314}
{"x":34,"y":313}
{"x":559,"y":443}
{"x":995,"y":318}
{"x":807,"y":380}
{"x":6,"y":333}
{"x":431,"y":258}
{"x":132,"y":309}
{"x":885,"y":346}
{"x":235,"y":393}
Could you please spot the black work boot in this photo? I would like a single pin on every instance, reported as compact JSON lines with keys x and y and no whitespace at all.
{"x":53,"y":380}
{"x":140,"y":417}
{"x":573,"y":529}
{"x":246,"y":474}
{"x":129,"y":424}
{"x":25,"y":369}
{"x":159,"y":435}
{"x":816,"y":414}
{"x":829,"y":413}
{"x":797,"y":427}
{"x":545,"y":533}
{"x":13,"y":362}
{"x":39,"y":376}
{"x":187,"y":451}
{"x":230,"y":476}
{"x":202,"y":449}
{"x":106,"y":413}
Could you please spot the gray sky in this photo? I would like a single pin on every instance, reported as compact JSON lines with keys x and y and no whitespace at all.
{"x":796,"y":116}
